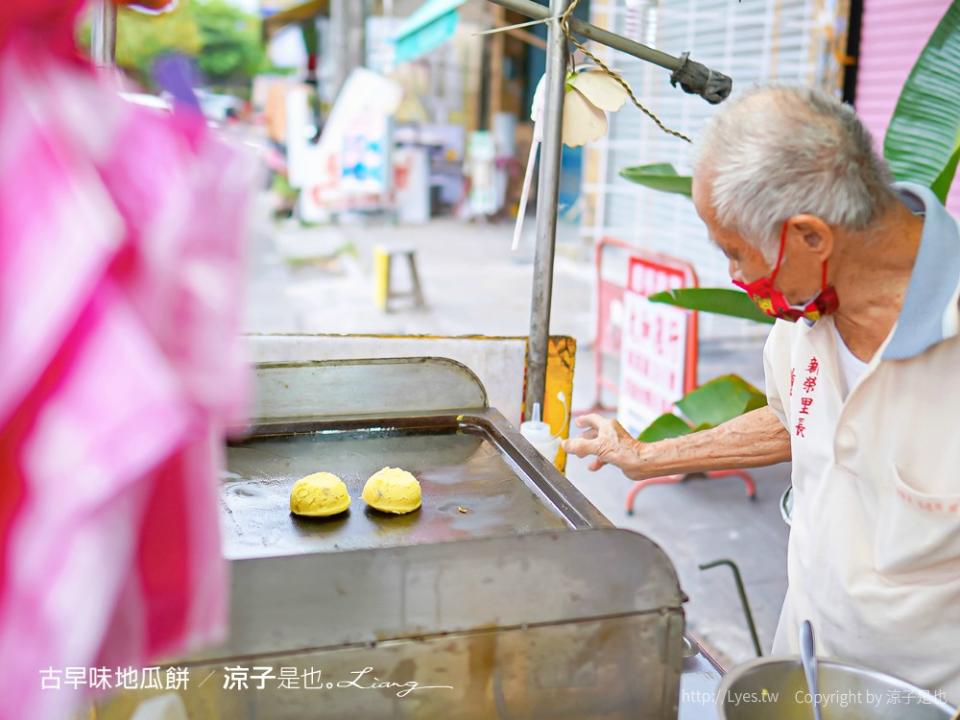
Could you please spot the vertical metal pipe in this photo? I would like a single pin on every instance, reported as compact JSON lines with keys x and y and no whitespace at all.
{"x":347,"y":38}
{"x":738,"y":579}
{"x":103,"y":33}
{"x":547,"y":199}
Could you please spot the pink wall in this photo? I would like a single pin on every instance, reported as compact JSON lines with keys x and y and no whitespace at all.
{"x":893,"y":34}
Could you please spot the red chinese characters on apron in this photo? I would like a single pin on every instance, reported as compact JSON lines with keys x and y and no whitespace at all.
{"x":807,"y":389}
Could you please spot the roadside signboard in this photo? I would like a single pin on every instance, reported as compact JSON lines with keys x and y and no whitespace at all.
{"x":658,"y":352}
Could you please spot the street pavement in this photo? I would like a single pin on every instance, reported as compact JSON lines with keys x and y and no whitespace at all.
{"x":320,"y":280}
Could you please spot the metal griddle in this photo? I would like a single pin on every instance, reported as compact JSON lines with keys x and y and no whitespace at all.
{"x":529,"y":605}
{"x":477,"y":481}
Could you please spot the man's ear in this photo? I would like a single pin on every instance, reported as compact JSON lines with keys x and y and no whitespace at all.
{"x":815,"y":235}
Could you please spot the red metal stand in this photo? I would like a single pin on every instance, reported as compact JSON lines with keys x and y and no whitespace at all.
{"x":670,"y":479}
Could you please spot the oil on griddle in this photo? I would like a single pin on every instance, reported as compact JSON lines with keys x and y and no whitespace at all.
{"x":458,"y":471}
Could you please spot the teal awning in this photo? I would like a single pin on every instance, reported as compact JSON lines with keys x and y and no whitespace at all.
{"x":431,"y":25}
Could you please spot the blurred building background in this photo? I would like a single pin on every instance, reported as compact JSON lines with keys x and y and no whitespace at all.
{"x":437,"y":126}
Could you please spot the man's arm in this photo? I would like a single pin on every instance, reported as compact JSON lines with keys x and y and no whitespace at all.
{"x":751,"y":440}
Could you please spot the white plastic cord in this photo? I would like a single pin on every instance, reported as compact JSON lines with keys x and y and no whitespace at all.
{"x":525,"y":192}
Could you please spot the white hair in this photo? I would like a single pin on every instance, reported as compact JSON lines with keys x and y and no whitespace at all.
{"x":779,"y":151}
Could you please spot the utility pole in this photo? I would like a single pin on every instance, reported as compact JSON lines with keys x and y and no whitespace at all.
{"x":347,"y":38}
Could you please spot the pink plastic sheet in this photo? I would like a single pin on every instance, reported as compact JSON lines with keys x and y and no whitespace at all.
{"x":121,"y":237}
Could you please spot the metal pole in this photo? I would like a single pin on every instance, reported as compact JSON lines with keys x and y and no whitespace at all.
{"x":103,"y":33}
{"x":535,"y":11}
{"x":547,"y":199}
{"x":347,"y":28}
{"x":693,"y":77}
{"x":742,"y":591}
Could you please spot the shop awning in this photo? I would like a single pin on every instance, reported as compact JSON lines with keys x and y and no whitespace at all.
{"x":431,"y":25}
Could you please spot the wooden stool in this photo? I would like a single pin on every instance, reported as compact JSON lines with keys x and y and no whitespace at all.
{"x":382,"y":265}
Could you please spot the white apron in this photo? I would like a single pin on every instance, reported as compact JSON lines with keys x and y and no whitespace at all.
{"x":874,"y":551}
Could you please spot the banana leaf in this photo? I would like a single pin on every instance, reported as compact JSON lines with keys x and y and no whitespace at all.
{"x":941,"y":186}
{"x":719,"y":400}
{"x":664,"y":427}
{"x":659,"y":176}
{"x":720,"y":301}
{"x":711,"y":404}
{"x":924,"y":133}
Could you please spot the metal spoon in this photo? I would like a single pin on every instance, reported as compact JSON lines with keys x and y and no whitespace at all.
{"x":808,"y":656}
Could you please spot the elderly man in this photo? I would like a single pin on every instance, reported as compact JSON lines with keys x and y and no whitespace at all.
{"x":863,"y":391}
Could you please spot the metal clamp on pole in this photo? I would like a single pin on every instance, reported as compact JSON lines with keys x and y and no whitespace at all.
{"x":697,"y":79}
{"x":693,"y":77}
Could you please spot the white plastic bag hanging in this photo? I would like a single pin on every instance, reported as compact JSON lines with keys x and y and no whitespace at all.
{"x":590,"y":94}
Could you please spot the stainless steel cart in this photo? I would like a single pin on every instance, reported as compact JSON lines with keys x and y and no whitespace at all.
{"x":507,"y":595}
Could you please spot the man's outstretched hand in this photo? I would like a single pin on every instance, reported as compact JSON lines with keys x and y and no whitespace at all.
{"x":605,"y":438}
{"x":750,"y":440}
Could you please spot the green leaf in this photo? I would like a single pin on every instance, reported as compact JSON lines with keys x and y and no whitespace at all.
{"x":941,"y":186}
{"x":922,"y":137}
{"x":709,"y":405}
{"x":225,"y":40}
{"x":720,"y":301}
{"x":659,"y":176}
{"x":142,"y":38}
{"x":664,"y":427}
{"x":721,"y":399}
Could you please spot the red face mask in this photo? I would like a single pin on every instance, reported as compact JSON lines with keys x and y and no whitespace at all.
{"x":775,"y":304}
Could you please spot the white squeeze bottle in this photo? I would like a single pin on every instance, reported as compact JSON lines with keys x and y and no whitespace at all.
{"x":538,"y":432}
